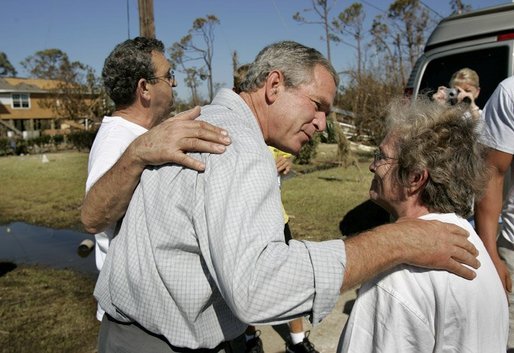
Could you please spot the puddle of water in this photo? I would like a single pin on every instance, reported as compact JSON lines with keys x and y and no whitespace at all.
{"x":23,"y":243}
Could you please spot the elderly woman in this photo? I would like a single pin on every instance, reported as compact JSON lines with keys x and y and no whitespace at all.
{"x":429,"y":166}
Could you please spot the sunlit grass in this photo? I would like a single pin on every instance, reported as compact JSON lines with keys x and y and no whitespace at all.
{"x":46,"y":310}
{"x":316,"y":202}
{"x":48,"y":194}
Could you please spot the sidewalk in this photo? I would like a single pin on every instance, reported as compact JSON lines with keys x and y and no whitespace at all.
{"x":324,"y":336}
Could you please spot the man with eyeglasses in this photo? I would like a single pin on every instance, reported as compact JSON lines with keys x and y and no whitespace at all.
{"x":169,"y":78}
{"x":202,"y":255}
{"x":138,"y":79}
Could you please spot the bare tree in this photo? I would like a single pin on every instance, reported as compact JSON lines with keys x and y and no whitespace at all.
{"x":351,"y":22}
{"x":235,"y":61}
{"x":6,"y":68}
{"x":322,"y":10}
{"x":458,"y":7}
{"x":77,"y":92}
{"x":192,"y":80}
{"x":203,"y":50}
{"x":399,"y":37}
{"x":47,"y":64}
{"x":415,"y":19}
{"x":367,"y":99}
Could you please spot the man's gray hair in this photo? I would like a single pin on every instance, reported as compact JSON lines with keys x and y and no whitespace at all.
{"x":446,"y":142}
{"x":295,"y":61}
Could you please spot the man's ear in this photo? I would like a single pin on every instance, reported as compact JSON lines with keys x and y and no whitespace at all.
{"x":273,"y":84}
{"x":417,"y":180}
{"x":143,"y":89}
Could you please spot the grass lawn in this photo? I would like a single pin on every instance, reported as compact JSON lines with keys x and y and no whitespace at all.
{"x":46,"y":310}
{"x":47,"y":194}
{"x":316,"y":202}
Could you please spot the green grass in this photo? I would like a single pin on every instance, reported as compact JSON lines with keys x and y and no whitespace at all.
{"x":316,"y":202}
{"x":48,"y":194}
{"x":47,"y":310}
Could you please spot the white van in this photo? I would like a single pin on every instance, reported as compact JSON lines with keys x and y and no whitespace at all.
{"x":482,"y":40}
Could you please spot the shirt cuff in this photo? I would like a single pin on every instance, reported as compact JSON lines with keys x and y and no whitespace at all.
{"x":328,"y":261}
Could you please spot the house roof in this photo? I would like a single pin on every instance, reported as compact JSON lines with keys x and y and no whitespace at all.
{"x":26,"y":85}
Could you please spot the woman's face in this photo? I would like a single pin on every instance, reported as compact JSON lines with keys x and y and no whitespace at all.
{"x":385,"y":189}
{"x":468,"y":88}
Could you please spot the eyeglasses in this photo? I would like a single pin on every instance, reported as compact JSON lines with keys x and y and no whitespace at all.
{"x":378,"y":155}
{"x":169,"y":78}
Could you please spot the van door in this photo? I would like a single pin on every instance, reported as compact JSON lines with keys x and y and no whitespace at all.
{"x":492,"y":63}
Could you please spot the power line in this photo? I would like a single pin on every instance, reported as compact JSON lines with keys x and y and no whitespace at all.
{"x":431,"y":9}
{"x":280,"y":15}
{"x":373,"y":6}
{"x":384,"y":11}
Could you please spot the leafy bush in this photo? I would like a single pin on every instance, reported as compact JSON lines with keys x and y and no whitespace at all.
{"x":5,"y":147}
{"x":41,"y":140}
{"x":308,"y":151}
{"x":330,"y":133}
{"x":82,"y":140}
{"x":21,"y":147}
{"x":58,"y":139}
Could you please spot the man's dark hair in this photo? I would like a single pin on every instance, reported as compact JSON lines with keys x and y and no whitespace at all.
{"x":126,"y":65}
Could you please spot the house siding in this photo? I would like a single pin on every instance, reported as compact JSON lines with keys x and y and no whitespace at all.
{"x":34,"y":112}
{"x":35,"y":115}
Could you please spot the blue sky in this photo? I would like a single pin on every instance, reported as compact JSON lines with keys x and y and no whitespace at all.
{"x":87,"y":30}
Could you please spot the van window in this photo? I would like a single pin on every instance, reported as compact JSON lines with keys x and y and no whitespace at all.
{"x":491,"y":65}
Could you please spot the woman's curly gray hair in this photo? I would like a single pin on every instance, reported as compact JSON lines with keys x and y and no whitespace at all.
{"x":444,"y":141}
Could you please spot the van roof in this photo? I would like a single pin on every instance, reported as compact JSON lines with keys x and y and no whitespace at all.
{"x":490,"y":21}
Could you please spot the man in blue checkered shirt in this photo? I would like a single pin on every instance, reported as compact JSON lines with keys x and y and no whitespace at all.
{"x":201,"y":255}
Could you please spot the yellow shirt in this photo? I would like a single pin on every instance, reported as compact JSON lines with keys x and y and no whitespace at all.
{"x":277,"y":153}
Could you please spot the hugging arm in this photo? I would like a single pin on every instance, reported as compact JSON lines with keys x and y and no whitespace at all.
{"x":108,"y":199}
{"x":422,"y":243}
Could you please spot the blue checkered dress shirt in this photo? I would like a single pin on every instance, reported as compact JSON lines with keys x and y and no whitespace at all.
{"x":199,"y":255}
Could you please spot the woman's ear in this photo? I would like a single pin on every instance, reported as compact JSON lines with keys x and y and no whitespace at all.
{"x":417,"y":180}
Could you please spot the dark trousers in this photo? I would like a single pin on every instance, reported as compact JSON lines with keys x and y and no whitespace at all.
{"x":120,"y":337}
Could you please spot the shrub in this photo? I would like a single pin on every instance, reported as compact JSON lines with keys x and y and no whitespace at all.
{"x":330,"y":133}
{"x":82,"y":140}
{"x":5,"y":147}
{"x":41,"y":140}
{"x":21,"y":147}
{"x":58,"y":139}
{"x":308,"y":151}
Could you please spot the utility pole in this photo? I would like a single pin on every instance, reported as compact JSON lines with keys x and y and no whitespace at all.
{"x":146,"y":20}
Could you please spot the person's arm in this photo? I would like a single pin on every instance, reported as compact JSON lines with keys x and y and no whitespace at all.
{"x":108,"y":198}
{"x":488,"y":209}
{"x":440,"y":96}
{"x":283,"y":164}
{"x":468,"y":98}
{"x":421,"y":243}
